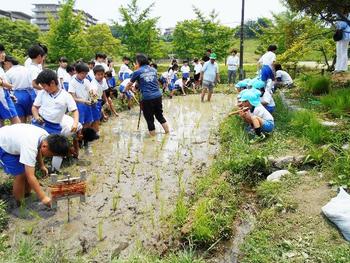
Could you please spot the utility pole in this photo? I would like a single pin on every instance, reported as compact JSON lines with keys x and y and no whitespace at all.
{"x":241,"y":47}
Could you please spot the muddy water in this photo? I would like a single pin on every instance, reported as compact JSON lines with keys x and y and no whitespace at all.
{"x":133,"y":180}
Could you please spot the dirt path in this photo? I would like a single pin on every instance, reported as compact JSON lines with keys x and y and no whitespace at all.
{"x":133,"y":181}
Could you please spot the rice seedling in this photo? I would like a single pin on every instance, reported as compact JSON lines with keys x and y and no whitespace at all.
{"x":179,"y":178}
{"x":118,"y":173}
{"x":162,"y":143}
{"x":115,"y":201}
{"x":157,"y":185}
{"x":100,"y":230}
{"x":138,"y":197}
{"x":129,"y":147}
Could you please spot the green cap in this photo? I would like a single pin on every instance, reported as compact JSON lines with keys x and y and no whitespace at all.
{"x":212,"y":56}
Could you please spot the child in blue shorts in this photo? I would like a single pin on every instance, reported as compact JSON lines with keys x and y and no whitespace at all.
{"x":128,"y":94}
{"x":267,"y":62}
{"x":178,"y":85}
{"x":52,"y":103}
{"x":255,"y":114}
{"x":80,"y":88}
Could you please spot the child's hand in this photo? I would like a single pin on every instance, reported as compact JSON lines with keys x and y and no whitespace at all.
{"x":44,"y":170}
{"x":74,"y":127}
{"x":87,"y":102}
{"x":39,"y":120}
{"x":47,"y":201}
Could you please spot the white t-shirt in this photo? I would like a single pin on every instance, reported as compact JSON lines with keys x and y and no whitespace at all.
{"x":104,"y":65}
{"x":22,"y":139}
{"x":19,"y":77}
{"x":34,"y":71}
{"x":125,"y":82}
{"x":124,"y":69}
{"x":53,"y":107}
{"x":185,"y":69}
{"x":81,"y":88}
{"x":267,"y":98}
{"x":3,"y":75}
{"x":197,"y":68}
{"x":91,"y":74}
{"x":29,"y":61}
{"x":261,"y":112}
{"x":62,"y":74}
{"x":171,"y":75}
{"x":67,"y":124}
{"x":165,"y":74}
{"x":268,"y":58}
{"x":285,"y":77}
{"x":232,"y":62}
{"x":99,"y":87}
{"x":179,"y":83}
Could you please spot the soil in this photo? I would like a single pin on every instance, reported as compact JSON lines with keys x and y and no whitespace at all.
{"x":133,"y":181}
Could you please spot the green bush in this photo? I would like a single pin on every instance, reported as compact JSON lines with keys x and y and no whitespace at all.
{"x":337,"y":102}
{"x":318,"y":85}
{"x":305,"y":124}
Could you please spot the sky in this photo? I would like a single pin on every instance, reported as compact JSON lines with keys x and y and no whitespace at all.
{"x":169,"y":12}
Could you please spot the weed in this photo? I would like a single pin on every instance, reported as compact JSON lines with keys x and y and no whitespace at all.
{"x":337,"y":102}
{"x":115,"y":201}
{"x":100,"y":230}
{"x":317,"y":85}
{"x":3,"y":216}
{"x":181,"y":210}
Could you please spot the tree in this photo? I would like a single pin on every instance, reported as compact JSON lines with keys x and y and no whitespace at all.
{"x":138,"y":32}
{"x":297,"y":35}
{"x":100,"y":39}
{"x":66,"y":36}
{"x":18,"y":36}
{"x":253,"y":27}
{"x":329,"y":10}
{"x":193,"y":37}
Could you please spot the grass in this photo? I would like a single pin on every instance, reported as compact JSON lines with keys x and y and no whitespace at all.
{"x":3,"y":216}
{"x":337,"y":103}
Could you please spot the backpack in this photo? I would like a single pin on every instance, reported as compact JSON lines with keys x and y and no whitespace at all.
{"x":338,"y":35}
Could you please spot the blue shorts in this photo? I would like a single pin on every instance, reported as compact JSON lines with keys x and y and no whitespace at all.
{"x":85,"y":113}
{"x":50,"y":127}
{"x":123,"y":76}
{"x":7,"y":111}
{"x":270,"y":109}
{"x":268,"y":126}
{"x":66,"y":85}
{"x":96,"y":111}
{"x":267,"y":73}
{"x":111,"y":82}
{"x":186,"y":75}
{"x":171,"y":87}
{"x":163,"y":80}
{"x":10,"y":163}
{"x":25,"y":99}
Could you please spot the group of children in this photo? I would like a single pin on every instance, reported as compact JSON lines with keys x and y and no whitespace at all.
{"x":255,"y":98}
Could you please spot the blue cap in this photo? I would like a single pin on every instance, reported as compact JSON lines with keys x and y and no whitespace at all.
{"x":258,"y":84}
{"x":251,"y":96}
{"x":242,"y":84}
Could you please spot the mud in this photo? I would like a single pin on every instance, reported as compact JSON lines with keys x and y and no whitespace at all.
{"x":133,"y":181}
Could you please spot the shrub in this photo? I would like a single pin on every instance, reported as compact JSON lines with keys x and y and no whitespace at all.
{"x":318,"y":85}
{"x":337,"y":102}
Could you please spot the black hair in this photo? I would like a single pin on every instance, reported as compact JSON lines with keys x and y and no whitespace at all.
{"x":142,"y":59}
{"x":185,"y":61}
{"x":154,"y":65}
{"x":175,"y":66}
{"x":109,"y":74}
{"x":174,"y":61}
{"x":195,"y":60}
{"x":91,"y":62}
{"x":2,"y":48}
{"x":63,"y":59}
{"x":278,"y":67}
{"x":70,"y":68}
{"x":98,"y":68}
{"x":58,"y":144}
{"x":44,"y":47}
{"x":109,"y":61}
{"x":12,"y":60}
{"x":209,"y":50}
{"x":46,"y":77}
{"x":234,"y":51}
{"x":35,"y":51}
{"x":100,"y":55}
{"x":81,"y":67}
{"x":272,"y":48}
{"x":183,"y":78}
{"x":126,"y":58}
{"x":89,"y":134}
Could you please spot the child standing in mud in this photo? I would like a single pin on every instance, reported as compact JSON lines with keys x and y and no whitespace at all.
{"x":151,"y":102}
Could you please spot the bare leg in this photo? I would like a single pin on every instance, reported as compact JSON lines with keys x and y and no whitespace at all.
{"x":203,"y":94}
{"x":165,"y":127}
{"x":15,"y":120}
{"x":96,"y":126}
{"x":152,"y":133}
{"x":19,"y":187}
{"x":209,"y":95}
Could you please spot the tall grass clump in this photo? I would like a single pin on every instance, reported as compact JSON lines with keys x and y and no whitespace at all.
{"x":3,"y":216}
{"x":305,"y":124}
{"x":317,"y":85}
{"x":337,"y":102}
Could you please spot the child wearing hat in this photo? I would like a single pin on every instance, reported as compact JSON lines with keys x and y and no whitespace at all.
{"x":257,"y":116}
{"x":266,"y":98}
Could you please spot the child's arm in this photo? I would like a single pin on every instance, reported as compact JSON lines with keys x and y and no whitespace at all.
{"x":79,"y":100}
{"x":109,"y":103}
{"x":34,"y":184}
{"x":35,"y":112}
{"x":76,"y":120}
{"x":36,"y":86}
{"x":5,"y":85}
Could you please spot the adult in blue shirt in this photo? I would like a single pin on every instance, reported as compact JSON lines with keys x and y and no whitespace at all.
{"x":209,"y":77}
{"x":151,"y":103}
{"x":343,"y":46}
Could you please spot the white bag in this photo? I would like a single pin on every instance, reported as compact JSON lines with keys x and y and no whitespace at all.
{"x":338,"y":211}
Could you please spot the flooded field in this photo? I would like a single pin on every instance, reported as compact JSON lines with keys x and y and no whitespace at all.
{"x":133,"y":181}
